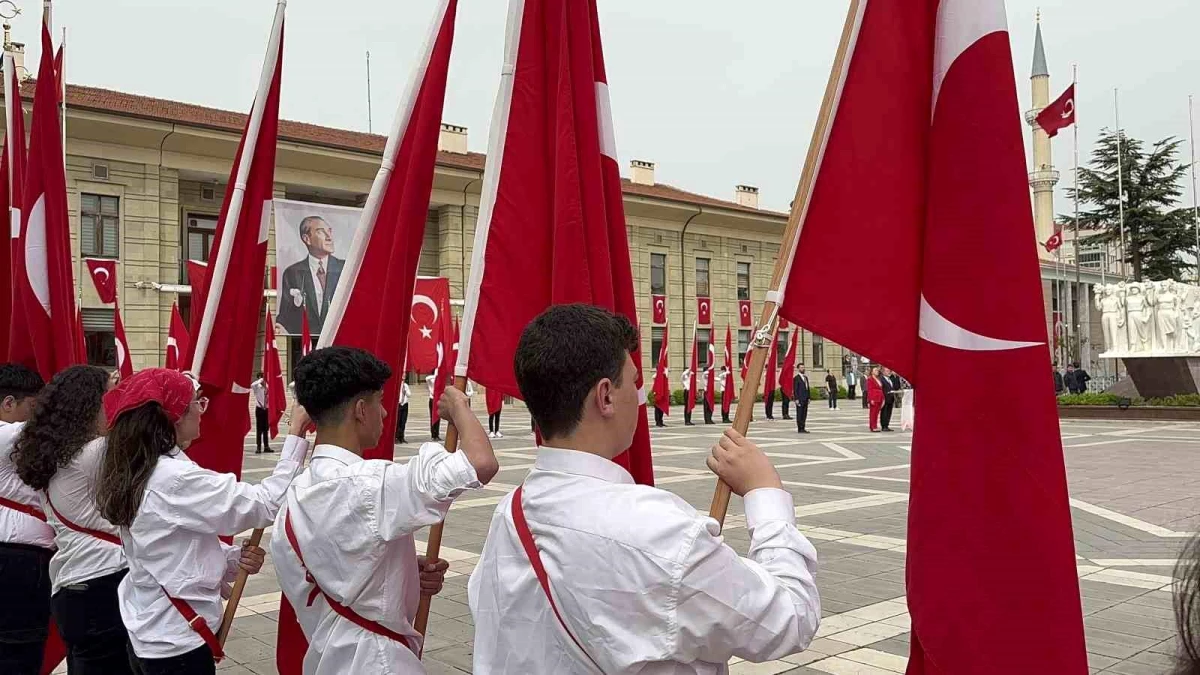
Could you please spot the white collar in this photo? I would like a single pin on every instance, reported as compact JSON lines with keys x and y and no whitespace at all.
{"x":581,"y":464}
{"x":314,"y":262}
{"x":336,"y":453}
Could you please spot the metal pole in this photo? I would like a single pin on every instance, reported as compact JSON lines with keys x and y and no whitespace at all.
{"x":1195,"y":203}
{"x":1120,"y":180}
{"x":370,"y":128}
{"x":1079,"y":294}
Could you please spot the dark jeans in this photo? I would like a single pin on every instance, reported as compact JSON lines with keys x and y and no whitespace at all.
{"x":801,"y":414}
{"x":658,"y":418}
{"x":89,"y":619}
{"x":850,"y":391}
{"x":494,"y":421}
{"x":401,"y":423}
{"x":885,"y":415}
{"x":262,"y":435}
{"x":435,"y":428}
{"x":833,"y":399}
{"x":25,"y":617}
{"x":199,"y":661}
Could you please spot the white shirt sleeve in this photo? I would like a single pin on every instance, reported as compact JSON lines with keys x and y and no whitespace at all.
{"x":418,"y":493}
{"x":759,"y":609}
{"x":217,"y":503}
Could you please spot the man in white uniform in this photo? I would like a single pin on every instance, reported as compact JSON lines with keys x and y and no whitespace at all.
{"x":343,"y":545}
{"x":641,"y":582}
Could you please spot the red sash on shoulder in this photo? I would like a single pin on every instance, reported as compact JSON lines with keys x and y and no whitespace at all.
{"x":23,"y":508}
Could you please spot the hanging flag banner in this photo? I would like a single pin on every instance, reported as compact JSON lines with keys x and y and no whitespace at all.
{"x":659,"y":303}
{"x":430,"y":306}
{"x":311,"y":243}
{"x":745,"y":320}
{"x":704,"y":311}
{"x":104,"y":277}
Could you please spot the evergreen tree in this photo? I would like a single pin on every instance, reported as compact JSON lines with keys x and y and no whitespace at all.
{"x":1157,"y":231}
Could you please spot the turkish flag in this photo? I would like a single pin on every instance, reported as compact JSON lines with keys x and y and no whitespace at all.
{"x":662,"y":376}
{"x":692,"y":374}
{"x":1058,"y":115}
{"x":947,"y":170}
{"x":197,"y":273}
{"x":771,"y":369}
{"x":430,"y":303}
{"x":305,"y":335}
{"x":745,"y":319}
{"x":1054,"y":242}
{"x":273,"y":374}
{"x":225,"y":326}
{"x":47,"y":293}
{"x":552,"y":224}
{"x":495,"y":401}
{"x":787,"y":372}
{"x":727,"y":395}
{"x":18,"y":347}
{"x":104,"y":278}
{"x":704,"y":311}
{"x":659,"y":303}
{"x":124,"y":360}
{"x":710,"y":383}
{"x":177,"y":340}
{"x":59,"y":75}
{"x":447,"y":353}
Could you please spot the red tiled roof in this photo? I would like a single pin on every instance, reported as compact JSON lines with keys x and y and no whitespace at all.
{"x":162,"y":110}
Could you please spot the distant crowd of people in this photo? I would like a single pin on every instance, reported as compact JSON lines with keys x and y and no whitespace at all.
{"x":1073,"y":380}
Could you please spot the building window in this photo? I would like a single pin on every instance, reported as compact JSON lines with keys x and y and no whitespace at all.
{"x":781,"y":346}
{"x":743,"y":281}
{"x":1091,"y":257}
{"x":703,"y":339}
{"x":702,"y":288}
{"x":818,"y":354}
{"x":99,"y":218}
{"x":658,"y":273}
{"x":743,"y":346}
{"x":99,"y":338}
{"x":201,"y":230}
{"x":656,"y":338}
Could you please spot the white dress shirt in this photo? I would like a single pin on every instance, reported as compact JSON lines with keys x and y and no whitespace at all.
{"x":17,"y":527}
{"x":260,"y":392}
{"x":642,"y":579}
{"x":173,"y":544}
{"x":80,"y":556}
{"x":405,"y":393}
{"x":313,"y":265}
{"x":354,"y":520}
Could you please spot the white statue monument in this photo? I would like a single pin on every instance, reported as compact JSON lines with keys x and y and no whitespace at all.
{"x":1137,"y":308}
{"x":1112,"y":318}
{"x":1149,"y":318}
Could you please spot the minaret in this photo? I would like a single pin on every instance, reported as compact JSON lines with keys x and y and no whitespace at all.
{"x":1042,"y":175}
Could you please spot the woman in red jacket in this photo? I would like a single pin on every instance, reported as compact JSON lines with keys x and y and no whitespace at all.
{"x":874,"y":398}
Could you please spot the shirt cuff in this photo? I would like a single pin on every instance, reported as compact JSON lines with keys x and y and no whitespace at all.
{"x":294,"y":449}
{"x":768,"y":504}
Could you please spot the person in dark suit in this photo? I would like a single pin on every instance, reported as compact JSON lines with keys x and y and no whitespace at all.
{"x":1081,"y":380}
{"x":1059,"y":385}
{"x":891,"y":384}
{"x":309,"y":285}
{"x":801,"y":395}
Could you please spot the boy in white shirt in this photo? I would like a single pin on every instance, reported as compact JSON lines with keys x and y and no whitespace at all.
{"x":343,"y":545}
{"x":641,"y":582}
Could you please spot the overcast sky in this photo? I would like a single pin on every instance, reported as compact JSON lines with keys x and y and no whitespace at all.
{"x":715,"y":92}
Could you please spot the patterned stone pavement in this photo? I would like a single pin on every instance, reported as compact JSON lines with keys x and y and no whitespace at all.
{"x":1135,"y":491}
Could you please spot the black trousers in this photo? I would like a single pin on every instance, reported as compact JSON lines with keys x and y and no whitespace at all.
{"x":494,"y":421}
{"x":262,"y":434}
{"x":850,"y":391}
{"x":401,"y":423}
{"x":88,"y":616}
{"x":687,"y":416}
{"x":435,"y":428}
{"x":199,"y":661}
{"x":801,"y":414}
{"x":25,"y":617}
{"x":770,"y":404}
{"x":833,"y":398}
{"x":708,"y":412}
{"x":724,"y":415}
{"x":885,"y":414}
{"x":658,"y":418}
{"x":864,"y":398}
{"x":786,"y":402}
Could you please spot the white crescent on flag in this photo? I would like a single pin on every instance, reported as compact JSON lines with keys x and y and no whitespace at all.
{"x":35,"y":253}
{"x":939,"y":330}
{"x":1068,"y":108}
{"x":659,"y":304}
{"x":121,"y":354}
{"x":104,"y":271}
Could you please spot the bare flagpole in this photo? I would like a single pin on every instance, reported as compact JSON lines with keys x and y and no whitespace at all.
{"x":370,"y":129}
{"x":1120,"y":179}
{"x":1195,"y":203}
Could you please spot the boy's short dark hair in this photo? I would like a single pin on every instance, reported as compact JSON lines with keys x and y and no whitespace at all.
{"x":19,"y":382}
{"x":562,"y":354}
{"x":328,"y":379}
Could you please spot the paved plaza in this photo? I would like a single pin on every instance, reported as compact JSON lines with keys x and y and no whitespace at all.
{"x":1135,"y":493}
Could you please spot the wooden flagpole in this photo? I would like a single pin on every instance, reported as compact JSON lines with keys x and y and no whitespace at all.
{"x":765,"y":334}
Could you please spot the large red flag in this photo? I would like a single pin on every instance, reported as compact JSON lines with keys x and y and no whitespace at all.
{"x":662,"y":376}
{"x":48,"y":296}
{"x":273,"y":374}
{"x":197,"y":273}
{"x":225,"y":327}
{"x":305,"y":335}
{"x":552,"y":224}
{"x":447,"y":353}
{"x":659,"y":305}
{"x":787,"y":372}
{"x":383,"y":260}
{"x":1059,"y":114}
{"x":104,"y":278}
{"x":430,"y":296}
{"x":947,"y":169}
{"x":727,"y":394}
{"x":177,"y":340}
{"x":745,"y":320}
{"x":124,"y":360}
{"x":693,"y":375}
{"x":19,"y":347}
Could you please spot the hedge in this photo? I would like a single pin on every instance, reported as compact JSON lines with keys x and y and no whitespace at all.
{"x":1095,"y":398}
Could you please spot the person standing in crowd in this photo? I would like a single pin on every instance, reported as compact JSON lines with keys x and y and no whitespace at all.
{"x":722,"y":375}
{"x":851,"y":384}
{"x":171,"y":513}
{"x":495,"y":403}
{"x":620,"y":571}
{"x":1081,"y":380}
{"x":1069,"y":379}
{"x":402,"y":411}
{"x":1059,"y":385}
{"x":373,"y":507}
{"x":658,"y":412}
{"x":803,"y":395}
{"x":769,"y":403}
{"x":26,"y":540}
{"x":435,"y":428}
{"x":262,"y":427}
{"x":707,"y":397}
{"x":688,"y":403}
{"x":891,"y":384}
{"x":58,"y":454}
{"x":874,"y":398}
{"x":863,"y":376}
{"x":785,"y":398}
{"x":831,"y":385}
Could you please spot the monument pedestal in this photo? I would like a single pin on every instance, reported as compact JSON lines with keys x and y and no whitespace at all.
{"x":1159,"y":376}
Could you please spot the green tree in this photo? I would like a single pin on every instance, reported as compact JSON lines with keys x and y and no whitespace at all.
{"x":1157,"y":231}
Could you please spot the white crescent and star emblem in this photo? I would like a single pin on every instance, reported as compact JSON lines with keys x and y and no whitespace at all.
{"x":120,"y":353}
{"x":104,"y":271}
{"x":659,"y":304}
{"x":704,"y":306}
{"x":939,"y":330}
{"x":426,"y":332}
{"x":1068,"y":108}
